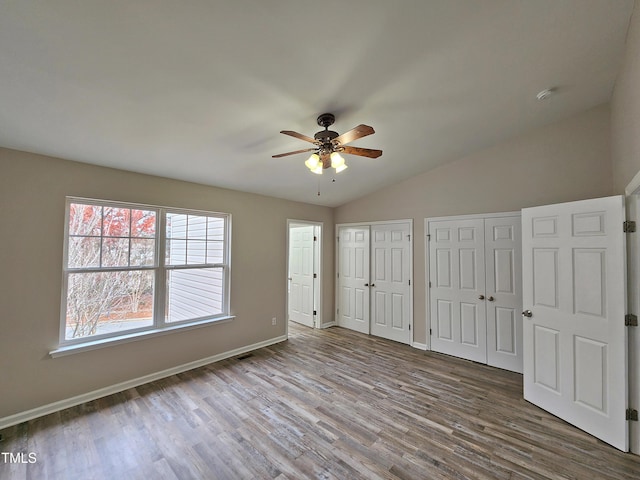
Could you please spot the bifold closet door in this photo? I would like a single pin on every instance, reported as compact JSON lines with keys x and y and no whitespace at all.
{"x":503,"y":256}
{"x":457,"y":276}
{"x":475,"y":294}
{"x":374,"y":280}
{"x":390,"y":277}
{"x":353,"y":278}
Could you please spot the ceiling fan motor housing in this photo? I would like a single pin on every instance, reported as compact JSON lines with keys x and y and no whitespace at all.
{"x":326,"y":146}
{"x":326,"y":119}
{"x":328,"y":142}
{"x":325,"y":137}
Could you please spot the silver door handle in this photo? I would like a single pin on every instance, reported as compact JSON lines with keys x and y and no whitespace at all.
{"x":491,"y":299}
{"x":481,"y":297}
{"x":527,"y":313}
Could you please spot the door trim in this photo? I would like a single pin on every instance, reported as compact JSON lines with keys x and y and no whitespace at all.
{"x":378,"y":222}
{"x":317,"y":284}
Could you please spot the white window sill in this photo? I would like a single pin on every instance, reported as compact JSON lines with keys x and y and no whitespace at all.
{"x":133,"y":337}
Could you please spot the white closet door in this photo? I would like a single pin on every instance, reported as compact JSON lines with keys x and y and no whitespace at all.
{"x":457,"y":276}
{"x":574,"y":295}
{"x":390,"y":276}
{"x":503,"y":255}
{"x":301,"y":260}
{"x":353,"y":278}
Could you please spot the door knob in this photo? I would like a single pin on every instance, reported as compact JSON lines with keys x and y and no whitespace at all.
{"x":366,"y":284}
{"x":481,"y":297}
{"x":527,"y":313}
{"x":373,"y":284}
{"x":491,"y":299}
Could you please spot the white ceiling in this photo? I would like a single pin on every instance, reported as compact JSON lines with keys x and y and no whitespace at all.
{"x":198,"y":90}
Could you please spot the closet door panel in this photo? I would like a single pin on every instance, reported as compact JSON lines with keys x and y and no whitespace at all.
{"x":503,"y":253}
{"x":457,"y":311}
{"x":475,"y":289}
{"x":390,"y":286}
{"x":353,"y":278}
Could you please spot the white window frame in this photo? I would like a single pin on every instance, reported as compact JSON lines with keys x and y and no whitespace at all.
{"x":159,"y":325}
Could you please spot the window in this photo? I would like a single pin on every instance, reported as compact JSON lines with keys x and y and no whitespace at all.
{"x":134,"y":268}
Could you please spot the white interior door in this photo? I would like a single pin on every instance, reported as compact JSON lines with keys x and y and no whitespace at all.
{"x":301,"y":262}
{"x":390,"y":281}
{"x":457,"y":276}
{"x":353,"y":278}
{"x":633,"y":289}
{"x":575,"y":341}
{"x":503,"y":273}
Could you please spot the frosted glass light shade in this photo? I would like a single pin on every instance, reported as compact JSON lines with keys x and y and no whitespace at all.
{"x":313,"y":162}
{"x":336,"y":160}
{"x":317,"y":170}
{"x":341,"y":168}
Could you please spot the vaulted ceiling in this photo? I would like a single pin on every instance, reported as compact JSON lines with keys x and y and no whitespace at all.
{"x":198,"y":90}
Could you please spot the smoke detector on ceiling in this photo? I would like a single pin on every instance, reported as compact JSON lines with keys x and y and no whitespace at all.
{"x":546,"y":93}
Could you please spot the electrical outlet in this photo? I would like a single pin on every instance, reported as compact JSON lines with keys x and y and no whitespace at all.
{"x":274,"y":321}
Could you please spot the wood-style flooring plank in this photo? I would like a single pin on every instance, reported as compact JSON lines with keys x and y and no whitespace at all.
{"x":326,"y":404}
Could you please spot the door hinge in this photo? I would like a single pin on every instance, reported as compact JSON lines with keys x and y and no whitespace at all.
{"x":409,"y":281}
{"x":315,"y":275}
{"x":315,"y":239}
{"x":430,"y":332}
{"x":429,"y":284}
{"x":629,"y":226}
{"x":337,"y":239}
{"x":409,"y":237}
{"x":630,"y":320}
{"x":409,"y":326}
{"x":631,"y":414}
{"x":338,"y":274}
{"x":428,"y":237}
{"x":315,"y":312}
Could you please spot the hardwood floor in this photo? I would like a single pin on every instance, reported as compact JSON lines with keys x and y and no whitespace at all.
{"x":325,"y":404}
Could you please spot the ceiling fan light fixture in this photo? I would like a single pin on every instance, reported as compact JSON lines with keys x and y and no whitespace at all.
{"x":328,"y":145}
{"x":336,"y":160}
{"x":312,"y":162}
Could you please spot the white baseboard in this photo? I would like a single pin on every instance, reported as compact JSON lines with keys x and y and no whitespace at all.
{"x":327,"y":325}
{"x":119,"y":387}
{"x":419,"y":346}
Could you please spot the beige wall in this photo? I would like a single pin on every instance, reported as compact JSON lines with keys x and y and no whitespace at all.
{"x":32,"y":202}
{"x":566,"y":161}
{"x":625,"y":110}
{"x":569,"y":160}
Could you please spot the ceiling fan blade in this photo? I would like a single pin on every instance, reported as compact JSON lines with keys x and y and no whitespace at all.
{"x":354,"y":134}
{"x":363,"y":152}
{"x":300,"y":136}
{"x":293,"y":153}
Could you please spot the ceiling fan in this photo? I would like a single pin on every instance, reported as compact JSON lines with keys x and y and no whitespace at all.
{"x":329,"y":145}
